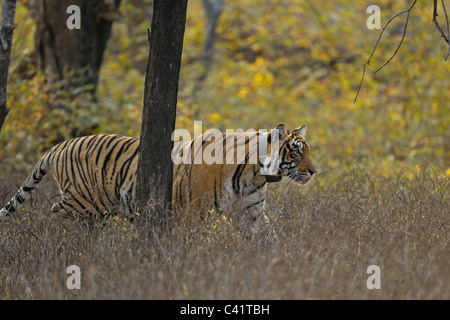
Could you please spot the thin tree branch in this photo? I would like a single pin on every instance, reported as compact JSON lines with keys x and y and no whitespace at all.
{"x":399,"y":44}
{"x":446,"y":18}
{"x":435,"y":14}
{"x":448,"y":29}
{"x":378,"y":41}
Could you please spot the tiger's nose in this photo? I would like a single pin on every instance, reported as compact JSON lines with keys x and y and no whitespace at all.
{"x":312,"y":171}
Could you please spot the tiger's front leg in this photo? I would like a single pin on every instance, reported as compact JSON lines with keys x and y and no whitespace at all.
{"x":253,"y":223}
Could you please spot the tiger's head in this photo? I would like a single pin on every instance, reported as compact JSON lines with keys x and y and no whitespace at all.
{"x":294,"y":159}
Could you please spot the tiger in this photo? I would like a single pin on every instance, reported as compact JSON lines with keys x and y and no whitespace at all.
{"x":97,"y":175}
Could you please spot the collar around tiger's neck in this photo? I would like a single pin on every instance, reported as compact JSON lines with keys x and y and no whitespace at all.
{"x":267,"y":162}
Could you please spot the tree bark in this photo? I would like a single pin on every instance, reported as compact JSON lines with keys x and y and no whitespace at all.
{"x":6,"y":34}
{"x":154,"y":180}
{"x":71,"y":55}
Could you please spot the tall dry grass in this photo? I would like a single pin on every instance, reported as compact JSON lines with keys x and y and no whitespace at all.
{"x":328,"y":234}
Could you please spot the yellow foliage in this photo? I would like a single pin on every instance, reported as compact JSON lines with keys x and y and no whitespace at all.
{"x":294,"y":62}
{"x":215,"y":117}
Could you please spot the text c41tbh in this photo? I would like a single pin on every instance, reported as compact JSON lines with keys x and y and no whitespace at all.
{"x":246,"y":309}
{"x":236,"y":309}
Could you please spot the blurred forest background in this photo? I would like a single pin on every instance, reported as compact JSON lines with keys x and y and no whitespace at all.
{"x":381,"y":196}
{"x":294,"y":62}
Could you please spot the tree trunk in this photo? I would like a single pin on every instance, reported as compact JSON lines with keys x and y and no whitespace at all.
{"x":213,"y":9}
{"x":6,"y":33}
{"x":74,"y":55}
{"x":154,"y":180}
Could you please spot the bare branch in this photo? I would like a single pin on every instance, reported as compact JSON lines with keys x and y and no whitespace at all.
{"x":399,"y":44}
{"x":378,"y":41}
{"x":446,"y":18}
{"x":448,"y":29}
{"x":435,"y":14}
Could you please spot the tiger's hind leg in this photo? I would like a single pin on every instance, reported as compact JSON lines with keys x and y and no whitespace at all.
{"x":65,"y":209}
{"x":71,"y":207}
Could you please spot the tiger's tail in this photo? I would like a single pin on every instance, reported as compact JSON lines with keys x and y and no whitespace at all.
{"x":36,"y":175}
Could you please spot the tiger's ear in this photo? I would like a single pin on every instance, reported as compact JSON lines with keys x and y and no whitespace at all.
{"x":281,"y":130}
{"x":301,"y":130}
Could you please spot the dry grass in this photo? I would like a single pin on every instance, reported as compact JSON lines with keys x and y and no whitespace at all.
{"x":329,"y":233}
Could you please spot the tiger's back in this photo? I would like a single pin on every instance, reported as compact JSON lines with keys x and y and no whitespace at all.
{"x":96,"y":174}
